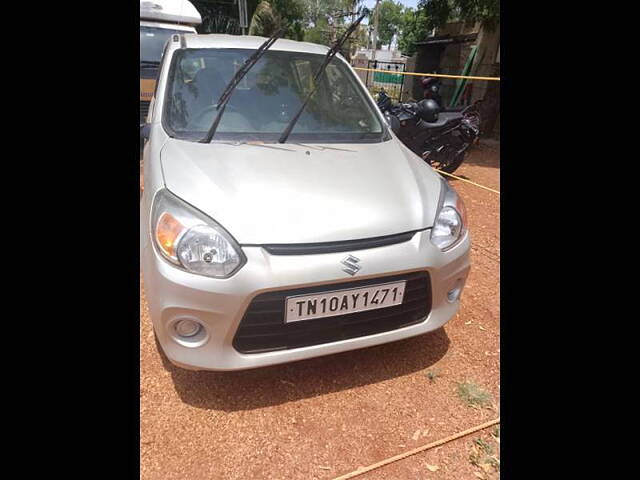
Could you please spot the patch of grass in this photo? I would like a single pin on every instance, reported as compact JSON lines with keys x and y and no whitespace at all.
{"x":496,"y":435}
{"x":481,"y":456}
{"x":473,"y":395}
{"x":474,"y":457}
{"x":432,"y":375}
{"x":484,"y":446}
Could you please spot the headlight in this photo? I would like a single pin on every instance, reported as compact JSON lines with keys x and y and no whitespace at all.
{"x":451,"y":219}
{"x":191,"y":240}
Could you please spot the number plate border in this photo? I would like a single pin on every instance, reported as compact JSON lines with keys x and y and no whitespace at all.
{"x":375,"y":285}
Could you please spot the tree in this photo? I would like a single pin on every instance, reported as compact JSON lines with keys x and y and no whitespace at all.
{"x":270,"y":16}
{"x":317,"y":9}
{"x":293,"y":12}
{"x":264,"y":21}
{"x":389,"y":21}
{"x":325,"y":20}
{"x":359,"y":39}
{"x":316,"y":21}
{"x":439,"y":12}
{"x":319,"y":33}
{"x":219,"y":17}
{"x":413,"y":30}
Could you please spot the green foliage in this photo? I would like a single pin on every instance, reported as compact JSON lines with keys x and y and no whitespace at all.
{"x":325,"y":20}
{"x":292,"y":12}
{"x":390,"y":20}
{"x":439,"y":12}
{"x":319,"y":33}
{"x":319,"y":9}
{"x":483,"y":446}
{"x":433,"y":374}
{"x":219,"y":17}
{"x":417,"y":24}
{"x":269,"y":16}
{"x":265,"y":21}
{"x":473,"y":395}
{"x":481,"y":455}
{"x":318,"y":21}
{"x":360,"y":38}
{"x":414,"y":29}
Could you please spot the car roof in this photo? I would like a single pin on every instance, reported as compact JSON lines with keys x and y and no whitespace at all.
{"x":220,"y":40}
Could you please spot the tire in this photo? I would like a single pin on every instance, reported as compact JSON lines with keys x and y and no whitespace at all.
{"x":454,"y":164}
{"x":447,"y":164}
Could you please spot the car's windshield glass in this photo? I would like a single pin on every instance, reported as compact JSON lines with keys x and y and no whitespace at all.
{"x":267,"y":98}
{"x":152,"y":42}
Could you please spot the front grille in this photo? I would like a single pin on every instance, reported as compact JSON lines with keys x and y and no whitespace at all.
{"x":333,"y":247}
{"x":262,"y":329}
{"x":144,"y":109}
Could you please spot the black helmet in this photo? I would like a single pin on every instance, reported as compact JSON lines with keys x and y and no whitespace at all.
{"x":428,"y":110}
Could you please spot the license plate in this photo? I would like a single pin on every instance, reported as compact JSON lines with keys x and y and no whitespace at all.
{"x":342,"y":302}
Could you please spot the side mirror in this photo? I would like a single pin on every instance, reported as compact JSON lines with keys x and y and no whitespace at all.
{"x":145,"y":129}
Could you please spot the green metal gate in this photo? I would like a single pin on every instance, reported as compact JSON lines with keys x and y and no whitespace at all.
{"x":391,"y":80}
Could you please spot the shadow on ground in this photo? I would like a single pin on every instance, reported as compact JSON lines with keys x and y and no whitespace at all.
{"x":263,"y":387}
{"x":483,"y":155}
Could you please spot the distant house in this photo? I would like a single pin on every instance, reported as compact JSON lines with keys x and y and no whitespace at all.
{"x":382,"y":55}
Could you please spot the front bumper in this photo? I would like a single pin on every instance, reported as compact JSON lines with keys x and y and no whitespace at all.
{"x":218,"y":304}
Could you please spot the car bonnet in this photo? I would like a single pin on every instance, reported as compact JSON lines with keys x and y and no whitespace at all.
{"x":292,"y":193}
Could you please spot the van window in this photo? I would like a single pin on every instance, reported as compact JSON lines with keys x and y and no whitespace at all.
{"x":152,"y":41}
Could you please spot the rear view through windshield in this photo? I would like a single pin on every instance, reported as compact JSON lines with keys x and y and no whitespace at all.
{"x":267,"y":98}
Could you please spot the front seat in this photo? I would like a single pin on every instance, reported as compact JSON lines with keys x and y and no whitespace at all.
{"x":205,"y":89}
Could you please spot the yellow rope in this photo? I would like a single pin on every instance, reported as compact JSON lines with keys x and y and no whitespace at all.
{"x":468,"y":181}
{"x":387,"y":461}
{"x":438,"y":75}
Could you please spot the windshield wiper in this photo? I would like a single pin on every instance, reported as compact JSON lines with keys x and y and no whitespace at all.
{"x":149,"y":63}
{"x":235,"y":80}
{"x":257,"y":144}
{"x":327,"y":59}
{"x":322,"y":147}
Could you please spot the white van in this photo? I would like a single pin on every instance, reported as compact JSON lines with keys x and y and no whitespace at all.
{"x":159,"y":19}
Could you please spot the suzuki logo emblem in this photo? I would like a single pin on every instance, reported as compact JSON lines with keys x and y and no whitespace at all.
{"x":351,"y":265}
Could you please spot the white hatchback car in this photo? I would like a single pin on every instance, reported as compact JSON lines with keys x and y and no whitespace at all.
{"x":258,"y":250}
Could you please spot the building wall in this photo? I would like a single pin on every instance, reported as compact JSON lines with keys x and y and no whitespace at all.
{"x":452,"y":59}
{"x":360,"y":61}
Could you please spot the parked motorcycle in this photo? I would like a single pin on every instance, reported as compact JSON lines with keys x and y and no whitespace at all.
{"x":439,"y":138}
{"x":431,"y":87}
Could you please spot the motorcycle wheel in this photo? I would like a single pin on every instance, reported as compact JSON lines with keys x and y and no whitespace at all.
{"x":447,"y":163}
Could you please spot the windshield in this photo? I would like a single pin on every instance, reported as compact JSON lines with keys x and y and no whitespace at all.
{"x":152,"y":42}
{"x":266,"y":99}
